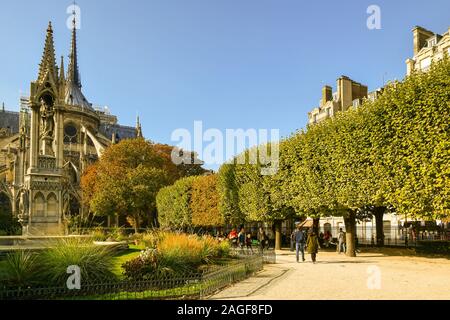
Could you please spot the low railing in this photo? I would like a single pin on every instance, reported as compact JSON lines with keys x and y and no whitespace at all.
{"x":269,"y":256}
{"x":193,"y":286}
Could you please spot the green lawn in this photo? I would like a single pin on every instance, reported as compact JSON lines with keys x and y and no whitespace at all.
{"x":123,"y":257}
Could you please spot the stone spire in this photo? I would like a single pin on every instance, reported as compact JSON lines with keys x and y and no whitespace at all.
{"x":62,"y":77}
{"x":73,"y":94}
{"x":74,"y":74}
{"x":48,"y":67}
{"x":138,"y":128}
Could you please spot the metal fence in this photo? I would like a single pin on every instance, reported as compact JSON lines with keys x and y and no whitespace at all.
{"x":269,"y":256}
{"x":395,"y":236}
{"x":193,"y":286}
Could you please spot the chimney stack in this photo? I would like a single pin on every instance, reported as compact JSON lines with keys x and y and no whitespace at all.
{"x":420,"y":36}
{"x":327,"y":94}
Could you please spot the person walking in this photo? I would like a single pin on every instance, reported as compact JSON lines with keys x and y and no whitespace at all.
{"x":312,"y":245}
{"x":233,"y":237}
{"x":341,"y":241}
{"x":327,"y":238}
{"x":262,"y":238}
{"x":293,"y":240}
{"x":241,"y":238}
{"x":300,"y":238}
{"x":248,"y":242}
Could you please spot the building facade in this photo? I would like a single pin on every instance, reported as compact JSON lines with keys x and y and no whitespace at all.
{"x":349,"y":94}
{"x":428,"y":47}
{"x":46,"y":146}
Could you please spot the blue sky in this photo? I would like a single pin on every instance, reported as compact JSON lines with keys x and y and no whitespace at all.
{"x":229,"y":63}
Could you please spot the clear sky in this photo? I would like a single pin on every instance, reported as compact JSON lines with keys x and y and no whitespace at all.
{"x":229,"y":63}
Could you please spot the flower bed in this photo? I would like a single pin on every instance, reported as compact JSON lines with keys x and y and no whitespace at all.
{"x":172,"y":265}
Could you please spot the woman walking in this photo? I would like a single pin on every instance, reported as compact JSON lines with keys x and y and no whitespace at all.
{"x":313,"y":245}
{"x":262,"y":238}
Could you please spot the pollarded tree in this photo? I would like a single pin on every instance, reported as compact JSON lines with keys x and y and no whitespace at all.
{"x":174,"y":204}
{"x":205,"y":202}
{"x":257,"y":187}
{"x":229,"y":194}
{"x":306,"y":181}
{"x":418,"y":155}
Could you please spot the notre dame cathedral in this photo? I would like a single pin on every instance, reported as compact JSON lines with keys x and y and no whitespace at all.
{"x":45,"y":148}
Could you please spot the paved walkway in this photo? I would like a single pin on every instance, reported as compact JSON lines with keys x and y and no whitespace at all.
{"x":370,"y":276}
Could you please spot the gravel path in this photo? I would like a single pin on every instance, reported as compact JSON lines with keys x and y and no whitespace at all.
{"x":370,"y":276}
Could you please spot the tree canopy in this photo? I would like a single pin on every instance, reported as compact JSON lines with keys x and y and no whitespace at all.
{"x":393,"y":152}
{"x":126,"y":180}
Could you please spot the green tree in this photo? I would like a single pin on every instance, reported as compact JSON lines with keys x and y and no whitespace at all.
{"x":126,"y":180}
{"x":174,"y":204}
{"x":205,"y":202}
{"x":229,"y":194}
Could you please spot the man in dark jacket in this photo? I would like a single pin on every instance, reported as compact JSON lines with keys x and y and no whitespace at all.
{"x":300,"y":238}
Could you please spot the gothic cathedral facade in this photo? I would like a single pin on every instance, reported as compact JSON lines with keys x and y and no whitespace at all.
{"x":60,"y":134}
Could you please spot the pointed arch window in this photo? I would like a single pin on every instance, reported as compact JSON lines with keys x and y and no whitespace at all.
{"x":52,"y":205}
{"x":39,"y":205}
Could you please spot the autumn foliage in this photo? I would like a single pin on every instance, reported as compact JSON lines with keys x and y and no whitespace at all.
{"x":190,"y":202}
{"x":126,"y":180}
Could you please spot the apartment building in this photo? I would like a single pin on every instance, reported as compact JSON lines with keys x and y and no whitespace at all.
{"x":349,"y":94}
{"x":428,"y":47}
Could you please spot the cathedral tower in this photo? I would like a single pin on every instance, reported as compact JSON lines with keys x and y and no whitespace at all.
{"x":40,"y":201}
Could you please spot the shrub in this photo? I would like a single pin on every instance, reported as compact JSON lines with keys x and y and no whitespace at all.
{"x":137,"y":238}
{"x":98,"y":234}
{"x":225,"y":249}
{"x":181,"y":252}
{"x":152,"y":238}
{"x":20,"y":269}
{"x":143,"y":267}
{"x":95,"y":262}
{"x":116,"y":234}
{"x":434,"y":247}
{"x":9,"y":226}
{"x":173,"y":253}
{"x":148,"y":266}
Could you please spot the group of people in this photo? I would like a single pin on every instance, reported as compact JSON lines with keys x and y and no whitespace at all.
{"x":303,"y":241}
{"x":245,"y":240}
{"x":310,"y":242}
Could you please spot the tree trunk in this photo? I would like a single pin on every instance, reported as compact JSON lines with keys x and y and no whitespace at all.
{"x":152,"y":217}
{"x":316,"y":226}
{"x":137,"y":225}
{"x":350,"y":229}
{"x":379,"y":214}
{"x":277,"y":225}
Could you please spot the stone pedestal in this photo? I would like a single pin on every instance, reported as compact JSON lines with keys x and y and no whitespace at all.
{"x":47,"y":147}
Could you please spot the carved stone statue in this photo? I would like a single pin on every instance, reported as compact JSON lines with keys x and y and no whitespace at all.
{"x":47,"y":127}
{"x":23,"y":205}
{"x":10,"y":173}
{"x":22,"y":137}
{"x":66,"y":204}
{"x":48,"y":123}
